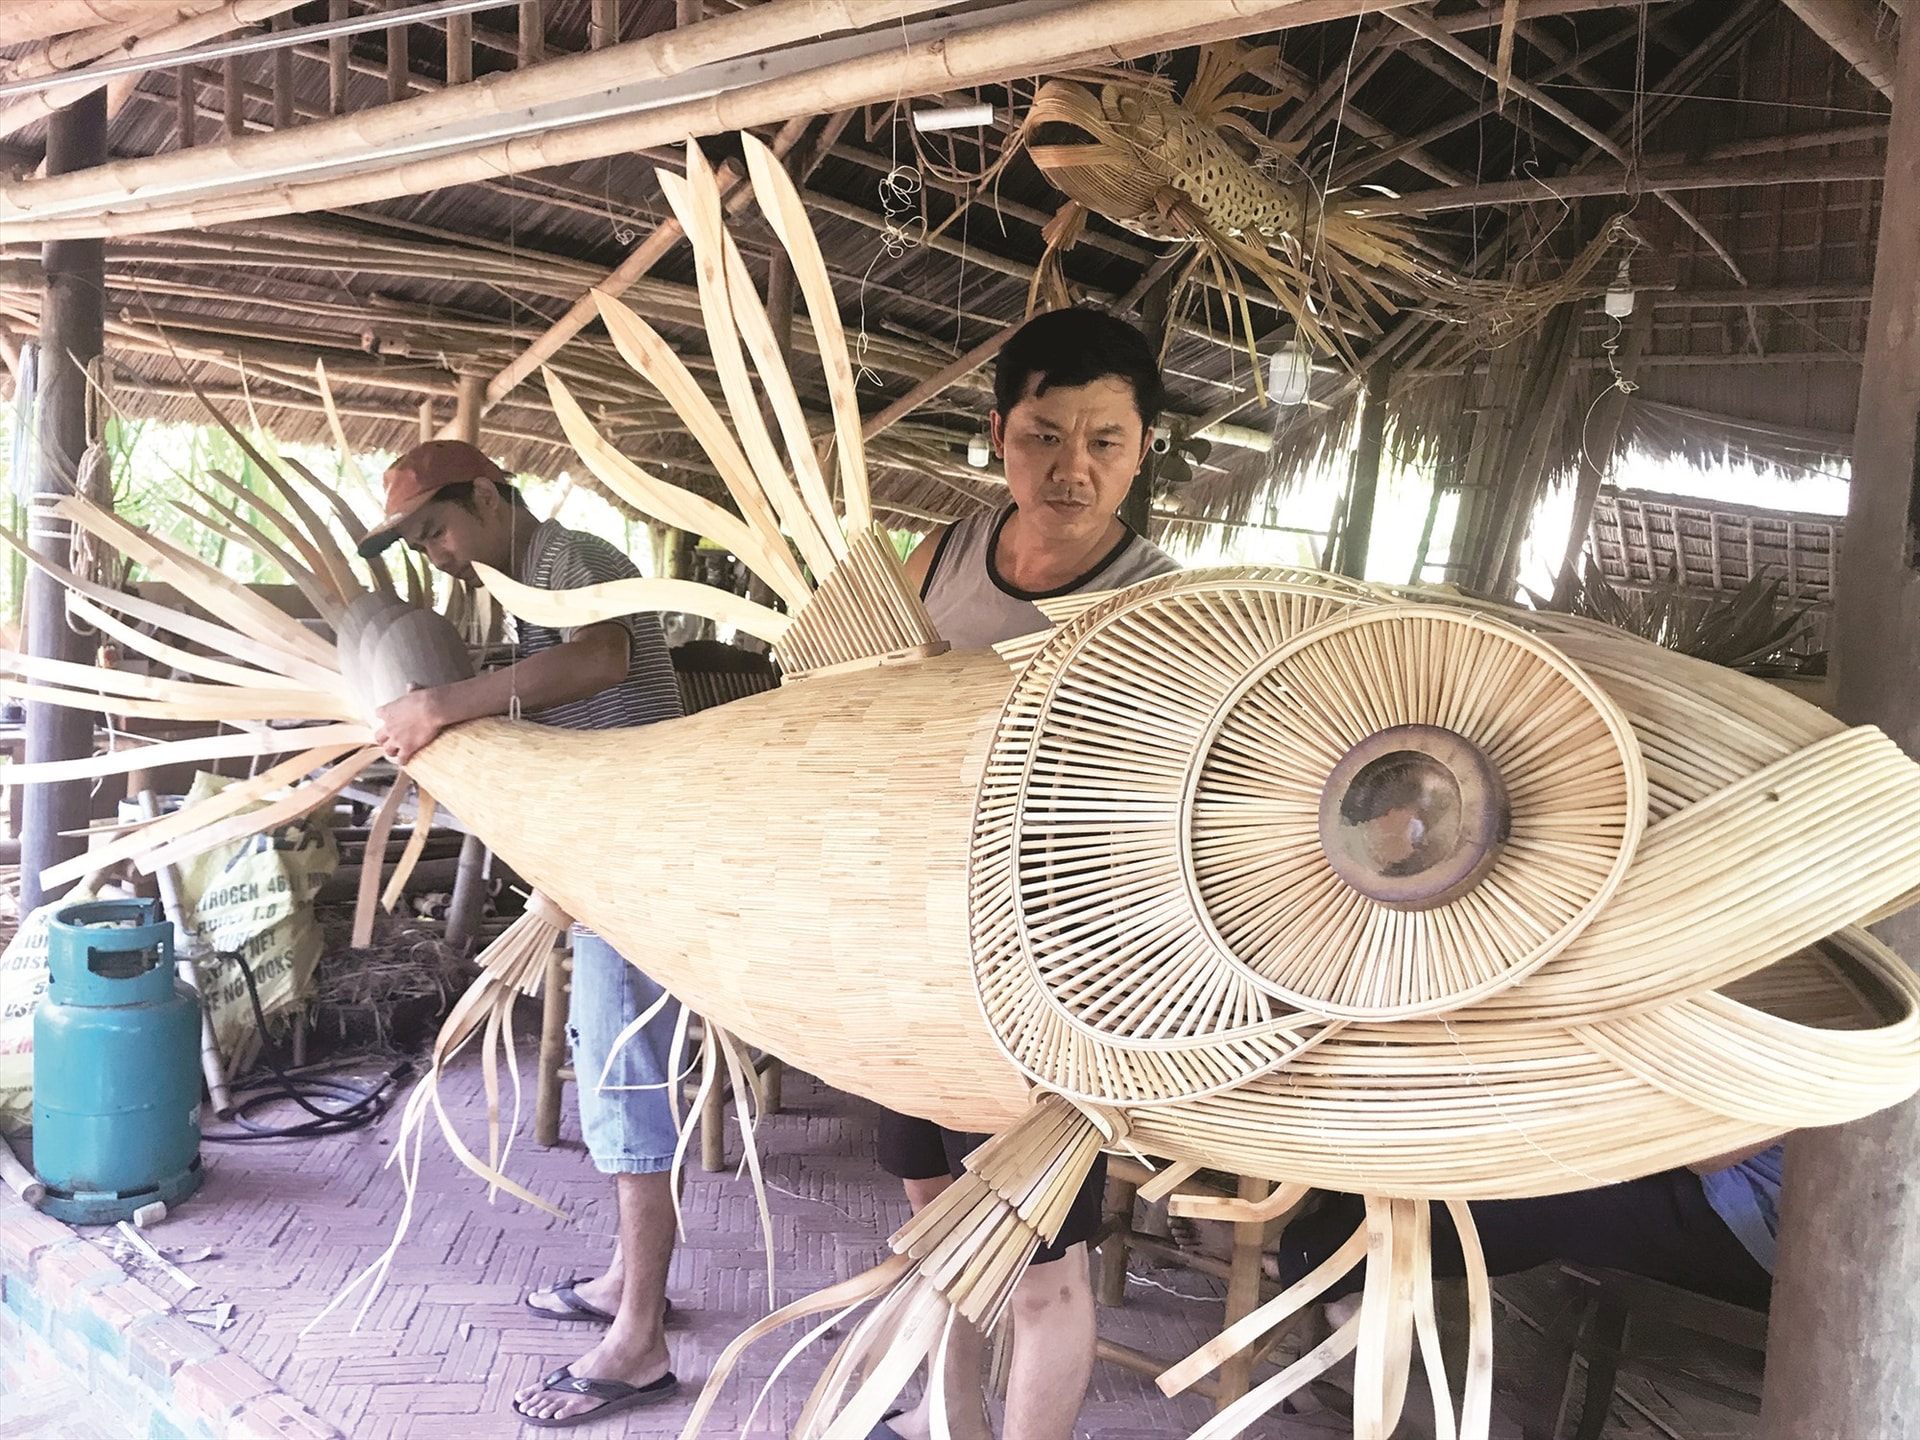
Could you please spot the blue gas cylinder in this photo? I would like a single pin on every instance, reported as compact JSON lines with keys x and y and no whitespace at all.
{"x":116,"y":1066}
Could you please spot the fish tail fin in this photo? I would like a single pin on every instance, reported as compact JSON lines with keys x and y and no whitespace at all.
{"x":1396,"y":1312}
{"x":958,"y":1260}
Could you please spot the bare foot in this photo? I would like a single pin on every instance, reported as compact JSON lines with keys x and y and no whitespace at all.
{"x":606,"y":1361}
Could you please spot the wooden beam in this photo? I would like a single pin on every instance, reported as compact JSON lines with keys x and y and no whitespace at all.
{"x":938,"y":383}
{"x":185,"y":107}
{"x":1651,"y":175}
{"x":1856,"y":34}
{"x":283,"y":117}
{"x":1850,"y":1231}
{"x":233,"y":108}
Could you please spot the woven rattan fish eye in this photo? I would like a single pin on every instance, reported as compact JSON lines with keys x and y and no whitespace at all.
{"x":1265,"y":888}
{"x":1161,"y":1014}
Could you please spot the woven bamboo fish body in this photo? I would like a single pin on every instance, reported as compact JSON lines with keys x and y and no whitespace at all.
{"x":807,"y":867}
{"x":1161,"y":169}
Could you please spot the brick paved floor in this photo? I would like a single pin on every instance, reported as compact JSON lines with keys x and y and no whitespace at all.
{"x":446,"y":1342}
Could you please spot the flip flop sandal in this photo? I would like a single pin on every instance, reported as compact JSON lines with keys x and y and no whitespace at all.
{"x":577,"y":1310}
{"x":613,"y":1396}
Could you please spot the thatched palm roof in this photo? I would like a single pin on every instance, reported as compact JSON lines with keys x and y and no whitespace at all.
{"x":1721,"y":127}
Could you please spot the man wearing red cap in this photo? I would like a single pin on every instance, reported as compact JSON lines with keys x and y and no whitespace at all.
{"x":455,"y":506}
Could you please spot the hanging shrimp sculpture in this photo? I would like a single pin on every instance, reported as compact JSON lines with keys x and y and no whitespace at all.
{"x":1147,"y":882}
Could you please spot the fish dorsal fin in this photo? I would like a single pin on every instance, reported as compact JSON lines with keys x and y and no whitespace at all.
{"x":848,"y":599}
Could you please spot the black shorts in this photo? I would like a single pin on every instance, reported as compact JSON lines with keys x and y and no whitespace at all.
{"x":915,"y":1149}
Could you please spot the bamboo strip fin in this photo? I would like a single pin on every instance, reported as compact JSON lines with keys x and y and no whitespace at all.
{"x":305,"y":799}
{"x":1396,"y":1306}
{"x":180,"y":752}
{"x":673,"y":504}
{"x":222,"y":595}
{"x":865,"y":611}
{"x":590,"y":604}
{"x":780,"y":202}
{"x":410,"y":857}
{"x":215,"y":807}
{"x":220,"y":638}
{"x":696,"y":201}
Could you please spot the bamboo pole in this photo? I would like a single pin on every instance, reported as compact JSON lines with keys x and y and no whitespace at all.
{"x":337,"y":56}
{"x":399,"y":65}
{"x":975,"y":50}
{"x":459,"y":49}
{"x":43,"y":18}
{"x":232,"y":106}
{"x":195,"y":23}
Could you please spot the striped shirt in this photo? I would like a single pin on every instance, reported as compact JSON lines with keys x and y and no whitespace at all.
{"x":563,"y":559}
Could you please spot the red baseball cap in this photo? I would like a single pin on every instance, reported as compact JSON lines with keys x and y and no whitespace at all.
{"x":417,"y":476}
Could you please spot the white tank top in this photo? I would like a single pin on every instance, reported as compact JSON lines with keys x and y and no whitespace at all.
{"x":972,"y":606}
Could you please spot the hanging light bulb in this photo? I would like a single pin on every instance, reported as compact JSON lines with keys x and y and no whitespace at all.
{"x":953,"y":117}
{"x":980,"y":450}
{"x":1619,"y":301}
{"x":1289,"y":374}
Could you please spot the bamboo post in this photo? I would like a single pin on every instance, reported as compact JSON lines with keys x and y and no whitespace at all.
{"x":459,"y":49}
{"x":1136,"y":509}
{"x":185,"y":111}
{"x":1357,"y":537}
{"x":1850,"y":1237}
{"x":186,"y":958}
{"x":1110,"y":1286}
{"x":337,"y":56}
{"x":426,"y":420}
{"x":22,"y":1181}
{"x":533,"y":33}
{"x":233,"y":109}
{"x":686,"y":12}
{"x":283,"y":116}
{"x":71,"y":336}
{"x":603,"y":24}
{"x":398,"y":63}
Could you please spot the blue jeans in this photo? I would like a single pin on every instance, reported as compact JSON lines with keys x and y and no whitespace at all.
{"x":628,"y":1131}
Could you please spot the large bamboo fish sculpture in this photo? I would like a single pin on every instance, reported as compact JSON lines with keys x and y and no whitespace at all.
{"x":1254,"y":869}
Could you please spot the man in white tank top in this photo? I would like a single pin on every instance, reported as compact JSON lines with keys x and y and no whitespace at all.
{"x":1076,"y":394}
